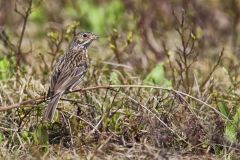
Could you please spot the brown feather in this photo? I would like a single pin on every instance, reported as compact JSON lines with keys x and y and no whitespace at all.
{"x":68,"y":72}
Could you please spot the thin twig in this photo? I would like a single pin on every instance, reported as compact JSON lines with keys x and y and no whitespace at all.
{"x":85,"y":121}
{"x":55,"y":51}
{"x":42,"y":99}
{"x":18,"y":51}
{"x":214,"y":68}
{"x":161,"y":121}
{"x":17,"y":105}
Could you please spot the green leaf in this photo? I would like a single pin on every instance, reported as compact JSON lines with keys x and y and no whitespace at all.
{"x":41,"y":135}
{"x":223,"y":109}
{"x":26,"y":135}
{"x":114,"y":78}
{"x":54,"y":36}
{"x":1,"y":138}
{"x":157,"y":76}
{"x":236,"y":118}
{"x":4,"y":69}
{"x":130,"y":37}
{"x":72,"y":27}
{"x":231,"y":133}
{"x":231,"y":129}
{"x":193,"y":36}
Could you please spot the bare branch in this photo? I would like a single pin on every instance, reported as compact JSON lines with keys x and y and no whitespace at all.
{"x":18,"y":51}
{"x":42,"y":99}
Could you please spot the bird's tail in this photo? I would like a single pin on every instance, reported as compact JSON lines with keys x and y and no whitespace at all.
{"x":51,"y":108}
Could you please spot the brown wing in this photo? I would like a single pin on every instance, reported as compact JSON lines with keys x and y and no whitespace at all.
{"x":63,"y":80}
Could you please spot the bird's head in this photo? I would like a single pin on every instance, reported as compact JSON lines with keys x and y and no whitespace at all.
{"x":84,"y":39}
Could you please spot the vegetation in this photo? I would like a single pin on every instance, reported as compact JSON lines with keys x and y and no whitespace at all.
{"x":164,"y":80}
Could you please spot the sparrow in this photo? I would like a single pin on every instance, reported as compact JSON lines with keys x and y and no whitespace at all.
{"x":69,"y":71}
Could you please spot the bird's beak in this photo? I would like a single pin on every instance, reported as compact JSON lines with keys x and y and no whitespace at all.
{"x":94,"y":37}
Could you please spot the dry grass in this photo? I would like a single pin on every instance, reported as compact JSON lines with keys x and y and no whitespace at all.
{"x":117,"y":114}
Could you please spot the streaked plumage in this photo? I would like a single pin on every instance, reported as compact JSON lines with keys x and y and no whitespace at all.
{"x":69,"y":71}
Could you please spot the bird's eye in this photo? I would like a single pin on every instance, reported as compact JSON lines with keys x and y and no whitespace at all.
{"x":84,"y":35}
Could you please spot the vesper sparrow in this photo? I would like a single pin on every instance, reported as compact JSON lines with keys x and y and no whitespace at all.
{"x":69,"y":71}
